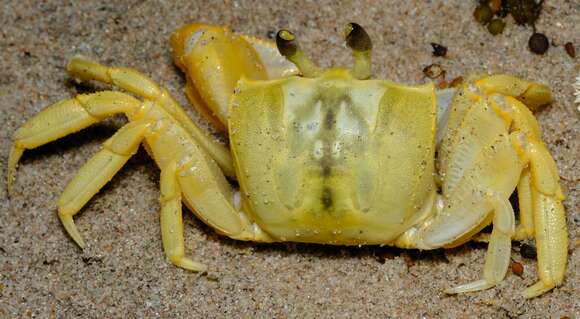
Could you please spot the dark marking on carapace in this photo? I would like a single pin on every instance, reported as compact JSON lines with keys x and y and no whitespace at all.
{"x":326,"y":170}
{"x":326,"y":198}
{"x":329,"y":119}
{"x":326,"y":164}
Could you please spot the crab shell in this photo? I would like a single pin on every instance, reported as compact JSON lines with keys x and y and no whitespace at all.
{"x":334,"y":159}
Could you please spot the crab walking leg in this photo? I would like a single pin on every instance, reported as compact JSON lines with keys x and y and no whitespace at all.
{"x":552,"y":244}
{"x":549,"y":216}
{"x":541,"y":211}
{"x":63,"y":118}
{"x":481,"y":169}
{"x":532,"y":94}
{"x":449,"y":226}
{"x":172,"y":221}
{"x":498,"y":254}
{"x":96,"y":172}
{"x":525,"y":229}
{"x":203,"y":186}
{"x":210,"y":197}
{"x":139,"y":84}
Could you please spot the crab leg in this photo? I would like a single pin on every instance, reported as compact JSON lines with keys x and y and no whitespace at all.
{"x":525,"y":229}
{"x":540,"y":196}
{"x":137,"y":83}
{"x":207,"y":193}
{"x":96,"y":172}
{"x":172,"y":220}
{"x":63,"y":118}
{"x":549,"y":217}
{"x":479,"y":142}
{"x":491,"y":145}
{"x":498,"y":254}
{"x":532,"y":94}
{"x":512,"y":109}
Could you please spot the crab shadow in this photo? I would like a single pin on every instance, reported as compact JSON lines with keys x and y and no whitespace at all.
{"x":330,"y":252}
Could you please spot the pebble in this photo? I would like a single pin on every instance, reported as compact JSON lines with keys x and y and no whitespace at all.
{"x":438,"y":49}
{"x":538,"y":43}
{"x":483,"y":14}
{"x":569,"y":47}
{"x":433,"y":71}
{"x":517,"y":268}
{"x":528,"y":251}
{"x":496,"y":26}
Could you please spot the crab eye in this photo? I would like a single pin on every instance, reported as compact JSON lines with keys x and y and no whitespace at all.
{"x":285,"y":41}
{"x":289,"y":48}
{"x":358,"y":40}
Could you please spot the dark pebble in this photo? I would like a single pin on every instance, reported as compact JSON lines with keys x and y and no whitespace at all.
{"x":524,"y":12}
{"x":496,"y":26}
{"x":538,"y":43}
{"x":569,"y":47}
{"x":482,"y":14}
{"x":456,"y":82}
{"x":433,"y":71}
{"x":528,"y":251}
{"x":438,"y":49}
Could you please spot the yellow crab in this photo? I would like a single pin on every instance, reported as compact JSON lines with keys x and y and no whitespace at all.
{"x":327,"y":156}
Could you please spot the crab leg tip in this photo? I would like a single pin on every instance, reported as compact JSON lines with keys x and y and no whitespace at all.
{"x":71,"y":229}
{"x":188,"y":264}
{"x":15,"y":155}
{"x":449,"y":291}
{"x":191,"y":265}
{"x":537,"y":289}
{"x":470,"y":287}
{"x":10,"y":184}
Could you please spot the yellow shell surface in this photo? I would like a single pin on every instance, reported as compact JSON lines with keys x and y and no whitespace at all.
{"x":333,"y":159}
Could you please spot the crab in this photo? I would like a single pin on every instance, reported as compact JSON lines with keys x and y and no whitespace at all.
{"x":322,"y":156}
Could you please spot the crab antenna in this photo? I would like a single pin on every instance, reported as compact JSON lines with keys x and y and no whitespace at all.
{"x":360,"y":43}
{"x":288,"y":47}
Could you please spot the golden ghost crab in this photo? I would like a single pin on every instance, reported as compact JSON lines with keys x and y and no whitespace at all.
{"x":322,"y":156}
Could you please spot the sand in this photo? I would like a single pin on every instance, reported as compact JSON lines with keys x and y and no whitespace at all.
{"x":123,"y":271}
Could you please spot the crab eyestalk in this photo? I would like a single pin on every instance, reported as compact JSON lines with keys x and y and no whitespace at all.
{"x":360,"y":43}
{"x":288,"y":47}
